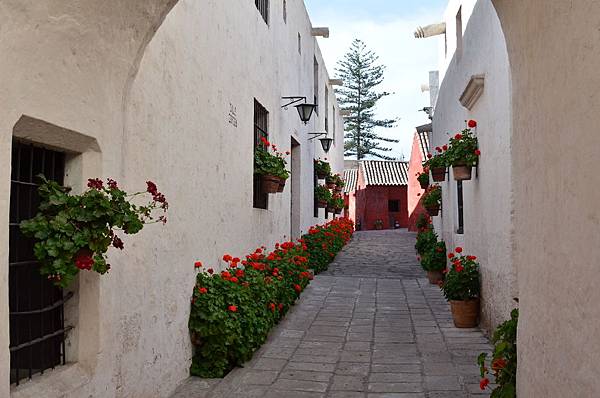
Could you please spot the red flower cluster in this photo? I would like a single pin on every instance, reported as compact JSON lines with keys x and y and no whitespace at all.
{"x":95,"y":183}
{"x":84,"y":261}
{"x":157,"y":197}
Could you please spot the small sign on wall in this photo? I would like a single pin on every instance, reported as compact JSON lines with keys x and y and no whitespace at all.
{"x":232,"y":116}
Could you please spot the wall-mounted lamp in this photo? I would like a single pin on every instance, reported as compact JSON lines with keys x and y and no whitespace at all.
{"x":325,"y":141}
{"x":305,"y":110}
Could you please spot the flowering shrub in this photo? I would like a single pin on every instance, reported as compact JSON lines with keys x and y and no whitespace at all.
{"x":233,"y":311}
{"x":426,"y":240}
{"x":432,"y":198}
{"x":267,"y":163}
{"x":74,"y":232}
{"x":504,"y":359}
{"x":325,"y":241}
{"x":434,"y":258}
{"x":463,"y":150}
{"x":322,"y":168}
{"x":462,"y":280}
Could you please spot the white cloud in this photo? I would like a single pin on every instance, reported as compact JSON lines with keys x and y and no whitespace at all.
{"x":408,"y":62}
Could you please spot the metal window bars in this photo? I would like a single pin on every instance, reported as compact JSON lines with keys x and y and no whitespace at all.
{"x":261,"y":125}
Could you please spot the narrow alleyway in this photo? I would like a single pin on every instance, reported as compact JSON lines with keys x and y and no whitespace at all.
{"x":371,"y":326}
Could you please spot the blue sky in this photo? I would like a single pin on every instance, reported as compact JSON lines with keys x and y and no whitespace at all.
{"x":387,"y":27}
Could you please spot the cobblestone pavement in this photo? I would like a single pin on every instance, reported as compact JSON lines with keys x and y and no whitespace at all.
{"x":371,"y":326}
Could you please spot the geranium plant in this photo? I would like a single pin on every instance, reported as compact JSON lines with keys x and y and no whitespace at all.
{"x":322,"y":168}
{"x":432,"y":198}
{"x":426,"y":240}
{"x":336,"y":202}
{"x":439,"y":160}
{"x":462,"y":280}
{"x":504,"y":359}
{"x":423,"y":222}
{"x":423,"y":178}
{"x":339,"y":181}
{"x":268,"y":161}
{"x":322,"y":194}
{"x":74,"y":232}
{"x":434,"y":258}
{"x":463,"y":149}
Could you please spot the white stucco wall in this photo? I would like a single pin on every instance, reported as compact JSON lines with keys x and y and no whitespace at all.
{"x":488,"y":196}
{"x":76,"y":66}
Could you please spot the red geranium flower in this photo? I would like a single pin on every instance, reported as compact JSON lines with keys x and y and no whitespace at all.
{"x":198,"y":264}
{"x":445,"y":147}
{"x":484,"y":383}
{"x":458,"y":267}
{"x":202,"y":290}
{"x":234,"y":280}
{"x":429,"y":155}
{"x":477,"y":152}
{"x":232,"y":308}
{"x":297,"y":288}
{"x":459,"y":249}
{"x":458,"y":136}
{"x":472,"y":124}
{"x":210,"y":271}
{"x":450,"y":255}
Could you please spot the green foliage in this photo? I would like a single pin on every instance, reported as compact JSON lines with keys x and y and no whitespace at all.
{"x":322,"y":193}
{"x":423,"y":177}
{"x":322,"y":168}
{"x":434,"y":258}
{"x":339,"y":181}
{"x":74,"y":232}
{"x":330,"y":179}
{"x":267,"y":163}
{"x":423,"y":222}
{"x":504,"y":359}
{"x":426,"y":240}
{"x":462,"y":280}
{"x":336,"y":202}
{"x":436,"y":161}
{"x":361,"y":75}
{"x":463,"y":150}
{"x":432,"y":196}
{"x":233,"y":312}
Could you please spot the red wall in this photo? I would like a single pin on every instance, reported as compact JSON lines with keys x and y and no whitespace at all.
{"x":372,"y":205}
{"x":414,"y":188}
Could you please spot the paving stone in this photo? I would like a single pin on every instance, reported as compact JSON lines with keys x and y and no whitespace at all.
{"x":348,"y":383}
{"x":301,"y":385}
{"x":311,"y":366}
{"x":395,"y":378}
{"x":442,"y":383}
{"x":260,"y":377}
{"x":395,"y":387}
{"x":269,"y":364}
{"x":349,"y":368}
{"x":306,"y":375}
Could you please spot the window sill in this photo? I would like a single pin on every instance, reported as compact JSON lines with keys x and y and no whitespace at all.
{"x":62,"y":381}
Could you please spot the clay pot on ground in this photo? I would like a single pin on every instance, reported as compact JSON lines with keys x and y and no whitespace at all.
{"x":269,"y":183}
{"x":465,"y":313}
{"x":435,"y":277}
{"x":433,"y":211}
{"x":461,"y":172}
{"x":424,"y":185}
{"x":438,"y":174}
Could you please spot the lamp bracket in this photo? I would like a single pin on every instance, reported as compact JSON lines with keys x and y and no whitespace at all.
{"x":316,"y":135}
{"x":293,"y":100}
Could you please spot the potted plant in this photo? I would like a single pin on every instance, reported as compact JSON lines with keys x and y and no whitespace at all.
{"x":74,"y":232}
{"x":433,"y":262}
{"x":322,"y":195}
{"x":437,"y":164}
{"x":330,"y":181}
{"x":462,"y":288}
{"x":423,"y":223}
{"x":504,"y":359}
{"x":322,"y":169}
{"x":378,"y":224}
{"x":339,"y":183}
{"x":336,"y":203}
{"x":463,"y":154}
{"x":432,"y":200}
{"x":270,"y":167}
{"x":423,"y":178}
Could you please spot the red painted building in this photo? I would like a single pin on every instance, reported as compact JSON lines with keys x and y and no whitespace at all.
{"x":376,"y":194}
{"x":418,"y":155}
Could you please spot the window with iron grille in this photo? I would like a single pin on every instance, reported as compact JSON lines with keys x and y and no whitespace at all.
{"x":37,"y":324}
{"x":261,"y":124}
{"x":459,"y":200}
{"x":316,"y":84}
{"x":315,"y":201}
{"x":326,"y":109}
{"x":263,"y":8}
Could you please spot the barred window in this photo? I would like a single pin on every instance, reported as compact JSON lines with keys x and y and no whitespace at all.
{"x":261,"y":124}
{"x":263,"y":8}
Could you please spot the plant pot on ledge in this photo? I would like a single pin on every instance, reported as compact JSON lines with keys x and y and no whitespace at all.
{"x":465,"y":313}
{"x":462,"y":172}
{"x":438,"y":174}
{"x":435,"y":277}
{"x":269,"y":183}
{"x":433,"y":211}
{"x":321,"y":175}
{"x":281,"y":184}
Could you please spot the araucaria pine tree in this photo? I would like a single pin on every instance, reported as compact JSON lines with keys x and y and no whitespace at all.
{"x":361,"y":75}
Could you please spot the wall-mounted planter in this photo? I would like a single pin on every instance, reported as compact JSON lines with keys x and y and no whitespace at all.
{"x":462,"y":173}
{"x":438,"y":174}
{"x":433,"y":211}
{"x":424,"y":185}
{"x":281,"y":184}
{"x":269,"y":183}
{"x":322,"y":204}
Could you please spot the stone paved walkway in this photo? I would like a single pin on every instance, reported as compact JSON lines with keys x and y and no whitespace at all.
{"x":371,"y":326}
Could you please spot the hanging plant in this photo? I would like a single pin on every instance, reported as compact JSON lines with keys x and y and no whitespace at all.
{"x":423,"y":178}
{"x":432,"y":199}
{"x":74,"y":232}
{"x":437,"y":164}
{"x":463,"y":154}
{"x":336,"y":203}
{"x":322,"y":169}
{"x":323,"y":195}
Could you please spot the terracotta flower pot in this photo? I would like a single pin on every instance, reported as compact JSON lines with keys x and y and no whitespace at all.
{"x":433,"y":211}
{"x":269,"y":183}
{"x":321,"y":175}
{"x":435,"y":277}
{"x":438,"y":174}
{"x":424,"y":185}
{"x":322,"y":204}
{"x":461,"y":173}
{"x":281,"y":184}
{"x":465,"y":313}
{"x":330,"y":185}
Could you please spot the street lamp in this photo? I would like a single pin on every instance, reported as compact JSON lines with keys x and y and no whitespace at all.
{"x":305,"y":110}
{"x":325,"y":141}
